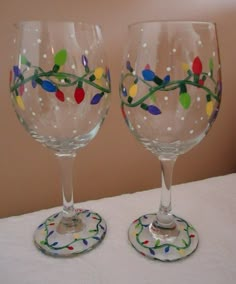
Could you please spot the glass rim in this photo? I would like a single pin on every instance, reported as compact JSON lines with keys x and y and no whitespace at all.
{"x":83,"y":23}
{"x":177,"y":22}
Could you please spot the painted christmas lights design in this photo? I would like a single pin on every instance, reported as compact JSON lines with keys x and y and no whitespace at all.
{"x":195,"y":77}
{"x":153,"y":247}
{"x":52,"y":81}
{"x":48,"y":235}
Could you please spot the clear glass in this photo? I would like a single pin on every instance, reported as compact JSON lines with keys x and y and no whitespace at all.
{"x":170,"y":92}
{"x":60,"y":86}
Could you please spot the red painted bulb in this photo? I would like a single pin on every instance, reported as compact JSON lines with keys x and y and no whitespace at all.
{"x":79,"y":95}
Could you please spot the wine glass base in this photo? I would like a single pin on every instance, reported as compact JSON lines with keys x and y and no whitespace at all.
{"x":163,"y":248}
{"x":51,"y":242}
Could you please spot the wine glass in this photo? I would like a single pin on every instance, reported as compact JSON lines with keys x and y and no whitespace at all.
{"x":170,"y":92}
{"x":60,"y":85}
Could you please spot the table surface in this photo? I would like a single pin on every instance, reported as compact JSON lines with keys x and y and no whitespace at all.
{"x":208,"y":204}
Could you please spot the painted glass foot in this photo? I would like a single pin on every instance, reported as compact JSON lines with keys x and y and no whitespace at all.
{"x":163,"y":245}
{"x":90,"y":231}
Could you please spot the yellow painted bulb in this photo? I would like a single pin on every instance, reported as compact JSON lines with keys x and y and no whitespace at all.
{"x":185,"y":67}
{"x":98,"y":73}
{"x":209,"y":108}
{"x":20,"y":102}
{"x":133,"y":90}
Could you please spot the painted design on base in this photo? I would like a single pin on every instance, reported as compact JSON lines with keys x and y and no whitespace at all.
{"x":143,"y":241}
{"x":49,"y":241}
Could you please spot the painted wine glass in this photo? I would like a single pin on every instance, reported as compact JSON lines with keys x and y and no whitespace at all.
{"x":60,"y":89}
{"x":170,"y":93}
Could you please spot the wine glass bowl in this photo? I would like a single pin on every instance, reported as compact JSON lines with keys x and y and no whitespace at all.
{"x":170,"y":93}
{"x":60,"y":85}
{"x":59,"y":119}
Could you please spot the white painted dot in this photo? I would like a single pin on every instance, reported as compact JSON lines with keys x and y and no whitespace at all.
{"x":209,"y":74}
{"x":36,"y":30}
{"x":141,"y":30}
{"x":24,"y":51}
{"x":73,"y":66}
{"x":166,"y":98}
{"x":201,"y":118}
{"x":86,"y":52}
{"x":169,"y":128}
{"x":56,"y":108}
{"x":191,"y":131}
{"x":39,"y":40}
{"x":168,"y":69}
{"x":182,"y":118}
{"x":74,"y":131}
{"x":45,"y":55}
{"x":74,"y":117}
{"x":128,"y":112}
{"x":55,"y":126}
{"x":139,"y":126}
{"x":72,"y":35}
{"x":102,"y":61}
{"x":14,"y":40}
{"x":63,"y":81}
{"x":90,"y":122}
{"x":40,"y":99}
{"x":145,"y":118}
{"x":213,"y":53}
{"x":35,"y":127}
{"x":26,"y":90}
{"x":198,"y":99}
{"x":134,"y":73}
{"x":128,"y":56}
{"x":199,"y":42}
{"x":33,"y":113}
{"x":174,"y":50}
{"x":145,"y":45}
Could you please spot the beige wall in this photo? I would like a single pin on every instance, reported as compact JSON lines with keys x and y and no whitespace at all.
{"x":114,"y":162}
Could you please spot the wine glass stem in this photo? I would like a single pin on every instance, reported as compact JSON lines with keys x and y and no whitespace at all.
{"x":164,"y":217}
{"x":66,"y":170}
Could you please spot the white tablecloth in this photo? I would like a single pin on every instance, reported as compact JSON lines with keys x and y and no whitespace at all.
{"x":210,"y":205}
